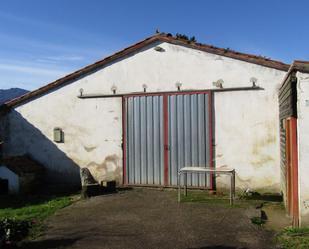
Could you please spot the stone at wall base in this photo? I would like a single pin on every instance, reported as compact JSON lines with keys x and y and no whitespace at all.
{"x":96,"y":189}
{"x":91,"y":190}
{"x":109,"y":186}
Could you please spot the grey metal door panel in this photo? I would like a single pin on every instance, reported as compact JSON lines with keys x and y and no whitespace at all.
{"x":144,"y":131}
{"x":188,"y":136}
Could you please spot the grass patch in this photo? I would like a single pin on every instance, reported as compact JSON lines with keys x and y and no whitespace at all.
{"x":34,"y":209}
{"x":257,"y":221}
{"x":199,"y":197}
{"x":294,"y":238}
{"x":203,"y":196}
{"x":37,"y":210}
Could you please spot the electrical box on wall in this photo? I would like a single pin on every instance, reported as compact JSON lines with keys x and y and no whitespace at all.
{"x":58,"y":135}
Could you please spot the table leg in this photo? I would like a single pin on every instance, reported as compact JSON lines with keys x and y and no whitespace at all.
{"x":231,"y":189}
{"x":186,"y":178}
{"x":179,"y":187}
{"x":234,"y":185}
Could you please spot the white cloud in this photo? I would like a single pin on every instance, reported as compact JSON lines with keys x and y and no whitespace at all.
{"x":65,"y":58}
{"x":22,"y":43}
{"x":30,"y":60}
{"x":29,"y":75}
{"x":32,"y":70}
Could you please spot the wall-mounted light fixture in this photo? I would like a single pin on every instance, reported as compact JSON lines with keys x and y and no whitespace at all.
{"x":145,"y":87}
{"x":114,"y":89}
{"x":81,"y":92}
{"x":178,"y":85}
{"x":253,"y":80}
{"x":218,"y":83}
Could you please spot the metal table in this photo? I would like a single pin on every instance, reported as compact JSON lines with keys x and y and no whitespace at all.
{"x":184,"y":171}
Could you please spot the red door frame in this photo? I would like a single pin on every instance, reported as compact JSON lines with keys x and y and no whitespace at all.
{"x":165,"y":132}
{"x":165,"y":129}
{"x":292,"y":170}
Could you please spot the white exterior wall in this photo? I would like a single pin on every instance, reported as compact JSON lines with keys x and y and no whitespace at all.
{"x":92,"y":134}
{"x":13,"y":179}
{"x":303,"y":145}
{"x":246,"y":123}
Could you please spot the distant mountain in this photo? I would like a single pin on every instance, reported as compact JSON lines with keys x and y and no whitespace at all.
{"x":8,"y":94}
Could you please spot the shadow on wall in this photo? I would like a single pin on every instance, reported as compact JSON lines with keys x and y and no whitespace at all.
{"x":21,"y":137}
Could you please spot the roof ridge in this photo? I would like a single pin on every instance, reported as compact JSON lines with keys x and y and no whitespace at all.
{"x":225,"y":50}
{"x":301,"y":61}
{"x":258,"y":60}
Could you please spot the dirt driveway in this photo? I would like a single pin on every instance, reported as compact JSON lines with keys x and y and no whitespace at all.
{"x":144,"y":218}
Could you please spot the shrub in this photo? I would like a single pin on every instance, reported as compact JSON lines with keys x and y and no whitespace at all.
{"x":13,"y":230}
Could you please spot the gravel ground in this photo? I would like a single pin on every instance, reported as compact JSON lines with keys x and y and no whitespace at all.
{"x":150,"y":218}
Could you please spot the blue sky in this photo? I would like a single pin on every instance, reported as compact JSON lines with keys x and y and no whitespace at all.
{"x":41,"y":41}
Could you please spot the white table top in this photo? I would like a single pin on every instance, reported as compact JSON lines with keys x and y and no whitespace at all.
{"x":206,"y":169}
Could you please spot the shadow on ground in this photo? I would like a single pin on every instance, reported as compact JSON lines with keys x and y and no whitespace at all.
{"x":146,"y":218}
{"x":49,"y":243}
{"x":218,"y":247}
{"x":264,"y":197}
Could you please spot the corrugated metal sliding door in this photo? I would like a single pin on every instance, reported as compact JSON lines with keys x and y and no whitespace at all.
{"x":189,"y":136}
{"x":144,"y":140}
{"x":164,"y":133}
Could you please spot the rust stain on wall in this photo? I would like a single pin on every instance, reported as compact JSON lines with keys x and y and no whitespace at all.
{"x":242,"y":181}
{"x":270,"y":139}
{"x":110,"y":169}
{"x":260,"y":158}
{"x":89,"y":149}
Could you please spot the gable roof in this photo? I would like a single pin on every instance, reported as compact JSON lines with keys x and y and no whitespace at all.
{"x":301,"y":66}
{"x":162,"y":37}
{"x":297,"y":65}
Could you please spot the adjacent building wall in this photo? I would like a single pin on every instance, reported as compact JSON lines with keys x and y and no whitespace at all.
{"x":246,"y":126}
{"x":12,"y":178}
{"x":287,"y":109}
{"x":303,"y":145}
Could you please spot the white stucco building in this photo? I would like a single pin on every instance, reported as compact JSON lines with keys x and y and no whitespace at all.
{"x":144,"y":112}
